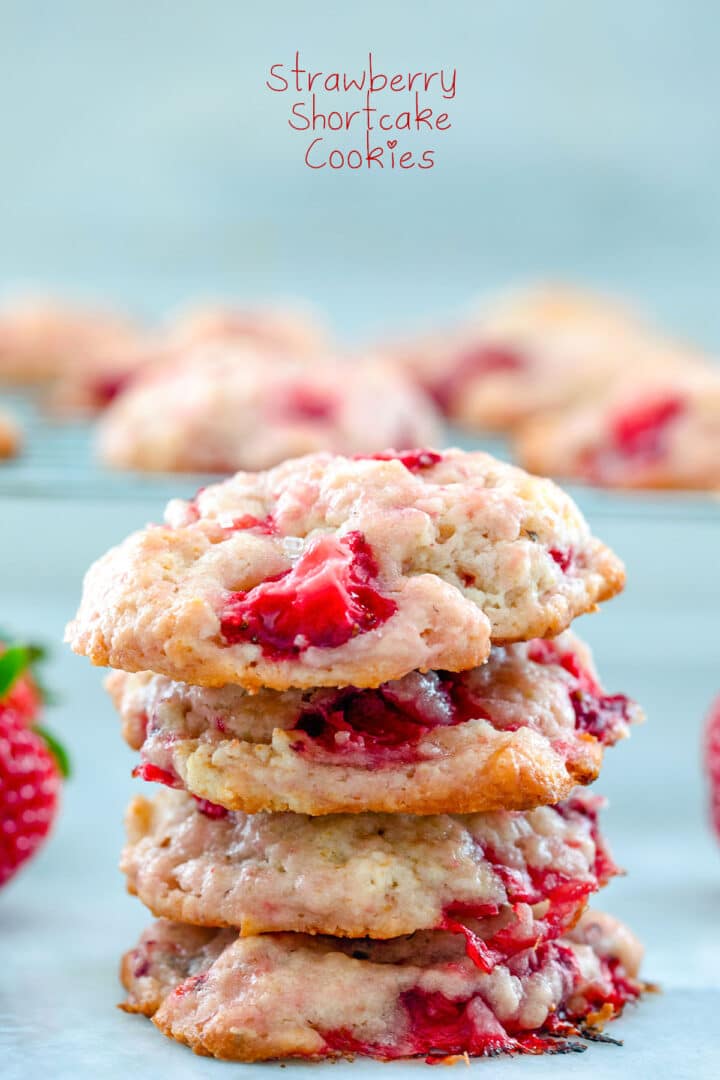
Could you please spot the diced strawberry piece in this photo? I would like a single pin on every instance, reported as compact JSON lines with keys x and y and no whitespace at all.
{"x":328,"y":597}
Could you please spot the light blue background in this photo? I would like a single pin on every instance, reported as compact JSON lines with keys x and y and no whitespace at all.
{"x":142,"y":155}
{"x":143,"y":160}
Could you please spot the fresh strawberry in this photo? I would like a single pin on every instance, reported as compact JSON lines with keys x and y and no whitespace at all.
{"x":32,"y":763}
{"x":712,"y":762}
{"x":20,"y":685}
{"x":29,"y":790}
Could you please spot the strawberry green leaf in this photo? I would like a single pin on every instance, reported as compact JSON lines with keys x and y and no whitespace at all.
{"x":34,"y":655}
{"x":57,"y":750}
{"x":36,"y":652}
{"x":13,"y":662}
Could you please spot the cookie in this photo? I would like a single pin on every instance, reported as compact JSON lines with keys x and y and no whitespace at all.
{"x":368,"y":875}
{"x":10,"y":436}
{"x":43,"y":340}
{"x":223,"y":408}
{"x":331,"y":571}
{"x":289,"y":328}
{"x":88,"y":389}
{"x":91,"y":387}
{"x":519,"y":731}
{"x":293,"y":995}
{"x":531,"y":352}
{"x":660,"y":432}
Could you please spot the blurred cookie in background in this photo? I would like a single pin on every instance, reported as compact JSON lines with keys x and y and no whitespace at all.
{"x":10,"y":436}
{"x":531,"y":352}
{"x":660,"y":431}
{"x":44,"y":339}
{"x":90,"y":388}
{"x":225,"y":407}
{"x":292,"y":328}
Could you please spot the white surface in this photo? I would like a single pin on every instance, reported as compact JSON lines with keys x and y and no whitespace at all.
{"x":66,"y":920}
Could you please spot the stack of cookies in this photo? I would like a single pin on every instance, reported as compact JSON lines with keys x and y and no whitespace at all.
{"x":355,"y":679}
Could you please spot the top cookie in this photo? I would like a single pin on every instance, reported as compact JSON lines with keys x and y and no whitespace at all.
{"x":328,"y":570}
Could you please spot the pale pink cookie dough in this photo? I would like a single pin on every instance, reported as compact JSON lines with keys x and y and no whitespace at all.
{"x":292,"y":995}
{"x":374,"y":875}
{"x":519,"y":731}
{"x":226,"y":407}
{"x":660,"y":432}
{"x":45,"y":340}
{"x":533,"y":351}
{"x":329,"y":571}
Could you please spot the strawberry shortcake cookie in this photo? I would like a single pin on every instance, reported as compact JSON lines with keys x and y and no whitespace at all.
{"x":293,"y":995}
{"x":519,"y":731}
{"x":290,"y":328}
{"x":662,"y":432}
{"x":333,"y":571}
{"x":532,"y":352}
{"x":226,"y":407}
{"x":44,"y":340}
{"x":118,"y":365}
{"x":503,"y":879}
{"x":354,"y":678}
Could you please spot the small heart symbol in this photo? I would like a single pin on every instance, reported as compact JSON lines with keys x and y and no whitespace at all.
{"x":392,"y":143}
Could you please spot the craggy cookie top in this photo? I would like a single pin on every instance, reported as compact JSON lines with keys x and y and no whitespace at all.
{"x":329,"y":570}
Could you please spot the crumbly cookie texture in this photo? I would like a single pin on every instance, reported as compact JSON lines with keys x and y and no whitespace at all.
{"x":368,"y":875}
{"x":526,"y":726}
{"x":41,"y":340}
{"x":10,"y":436}
{"x":330,"y":571}
{"x":660,"y":432}
{"x":292,"y":995}
{"x":223,"y":408}
{"x":524,"y":354}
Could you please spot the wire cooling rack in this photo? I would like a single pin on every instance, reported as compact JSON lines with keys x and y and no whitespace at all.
{"x":58,"y":461}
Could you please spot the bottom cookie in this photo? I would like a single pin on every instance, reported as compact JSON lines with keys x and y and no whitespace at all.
{"x":293,"y":995}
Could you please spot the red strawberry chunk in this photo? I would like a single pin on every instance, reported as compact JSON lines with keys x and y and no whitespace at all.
{"x":413,"y":460}
{"x":640,"y":431}
{"x":328,"y":597}
{"x":472,"y":363}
